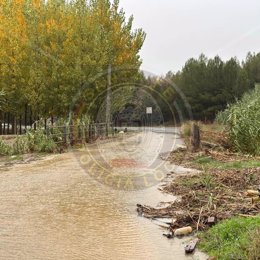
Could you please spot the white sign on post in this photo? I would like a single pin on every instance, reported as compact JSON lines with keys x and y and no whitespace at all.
{"x":149,"y":110}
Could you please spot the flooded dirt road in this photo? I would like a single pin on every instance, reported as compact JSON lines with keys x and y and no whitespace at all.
{"x":54,"y":209}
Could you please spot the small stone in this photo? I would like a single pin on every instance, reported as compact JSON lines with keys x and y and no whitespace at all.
{"x":169,"y":235}
{"x":191,"y":246}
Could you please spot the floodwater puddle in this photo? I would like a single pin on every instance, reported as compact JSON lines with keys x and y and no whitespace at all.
{"x":53,"y":209}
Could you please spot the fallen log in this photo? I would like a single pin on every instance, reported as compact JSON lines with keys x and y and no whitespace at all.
{"x":209,"y":145}
{"x":161,"y":224}
{"x":252,"y":193}
{"x":247,"y":216}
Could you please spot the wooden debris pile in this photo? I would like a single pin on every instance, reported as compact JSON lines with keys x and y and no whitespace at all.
{"x":188,"y":159}
{"x":203,"y":199}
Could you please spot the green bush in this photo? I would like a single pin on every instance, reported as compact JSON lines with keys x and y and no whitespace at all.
{"x":32,"y":141}
{"x":243,"y":119}
{"x":38,"y":141}
{"x":5,"y":149}
{"x":186,"y":129}
{"x":21,"y":145}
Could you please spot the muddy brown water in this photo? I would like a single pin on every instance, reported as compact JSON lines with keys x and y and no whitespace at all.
{"x":53,"y":209}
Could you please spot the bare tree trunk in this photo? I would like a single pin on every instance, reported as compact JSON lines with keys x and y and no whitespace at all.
{"x":20,"y":125}
{"x":13,"y":124}
{"x":195,"y":137}
{"x":1,"y":122}
{"x":25,"y":118}
{"x":4,"y":124}
{"x":30,"y":118}
{"x":108,"y":103}
{"x":8,"y":123}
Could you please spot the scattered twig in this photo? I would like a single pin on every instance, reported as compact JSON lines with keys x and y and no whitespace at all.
{"x":199,"y":219}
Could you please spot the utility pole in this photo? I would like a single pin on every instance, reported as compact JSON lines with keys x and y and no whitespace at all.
{"x":108,"y":100}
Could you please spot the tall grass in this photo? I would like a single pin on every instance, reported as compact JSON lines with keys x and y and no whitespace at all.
{"x":5,"y":149}
{"x":35,"y":141}
{"x":237,"y":238}
{"x":243,"y":119}
{"x":32,"y":141}
{"x":42,"y":140}
{"x":186,"y":129}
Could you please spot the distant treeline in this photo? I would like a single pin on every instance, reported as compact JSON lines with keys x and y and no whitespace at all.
{"x":207,"y":84}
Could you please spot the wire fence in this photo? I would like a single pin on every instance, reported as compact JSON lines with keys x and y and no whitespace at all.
{"x":12,"y":125}
{"x":72,"y":134}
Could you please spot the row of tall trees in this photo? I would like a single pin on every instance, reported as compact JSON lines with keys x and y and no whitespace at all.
{"x":206,"y":85}
{"x":55,"y":51}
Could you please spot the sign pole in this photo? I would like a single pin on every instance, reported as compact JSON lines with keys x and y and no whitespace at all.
{"x":149,"y":111}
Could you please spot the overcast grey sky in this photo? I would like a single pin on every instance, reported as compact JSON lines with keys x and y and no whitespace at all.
{"x":180,"y":29}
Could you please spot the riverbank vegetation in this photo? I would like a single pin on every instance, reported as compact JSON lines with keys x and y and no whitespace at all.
{"x":237,"y":128}
{"x":217,"y":194}
{"x":33,"y":141}
{"x":243,"y":121}
{"x":237,"y":239}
